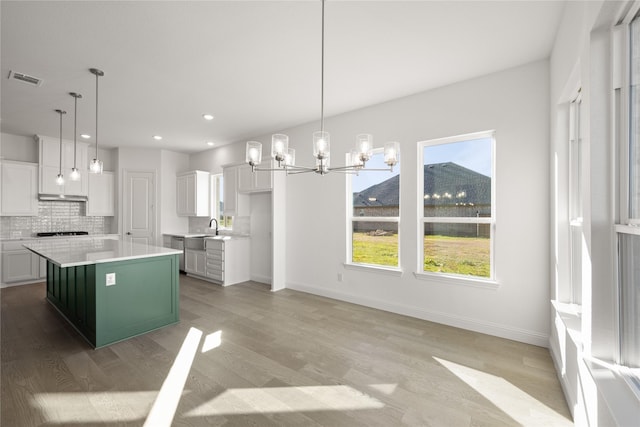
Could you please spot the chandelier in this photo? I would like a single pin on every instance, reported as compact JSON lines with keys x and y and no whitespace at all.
{"x":285,"y":156}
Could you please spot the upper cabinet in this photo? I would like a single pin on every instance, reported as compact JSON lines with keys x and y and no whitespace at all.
{"x":19,"y":189}
{"x":235,"y":202}
{"x":255,"y":182}
{"x":192,"y":193}
{"x":101,"y":201}
{"x":50,"y":166}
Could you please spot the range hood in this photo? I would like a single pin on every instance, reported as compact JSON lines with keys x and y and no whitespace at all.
{"x":61,"y":198}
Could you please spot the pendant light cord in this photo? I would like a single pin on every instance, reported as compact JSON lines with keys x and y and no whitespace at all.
{"x":96,"y":116}
{"x":60,"y":168}
{"x":75,"y":127}
{"x":322,"y":74}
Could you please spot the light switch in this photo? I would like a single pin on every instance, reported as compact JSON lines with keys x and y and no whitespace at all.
{"x":111,"y":279}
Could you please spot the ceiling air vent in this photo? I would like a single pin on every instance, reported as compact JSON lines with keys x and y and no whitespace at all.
{"x":25,"y":78}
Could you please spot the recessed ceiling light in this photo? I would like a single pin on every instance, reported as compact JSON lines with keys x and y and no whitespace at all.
{"x":157,"y":137}
{"x":207,"y":116}
{"x":85,"y":136}
{"x":211,"y":143}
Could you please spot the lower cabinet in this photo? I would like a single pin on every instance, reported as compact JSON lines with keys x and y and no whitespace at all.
{"x":225,"y":262}
{"x":195,"y":262}
{"x":20,"y":265}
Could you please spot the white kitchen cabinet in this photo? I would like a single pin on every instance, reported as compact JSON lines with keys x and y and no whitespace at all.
{"x":20,"y":265}
{"x":101,"y":200}
{"x":235,"y":203}
{"x":192,"y":193}
{"x":227,"y":261}
{"x":49,"y":161}
{"x":19,"y":189}
{"x":255,"y":182}
{"x":195,"y":262}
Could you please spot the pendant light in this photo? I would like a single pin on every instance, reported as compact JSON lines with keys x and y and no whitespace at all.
{"x":96,"y":164}
{"x":285,"y":156}
{"x":75,"y":173}
{"x":60,"y":178}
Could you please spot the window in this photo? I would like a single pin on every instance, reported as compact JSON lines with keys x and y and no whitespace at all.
{"x":575,"y":200}
{"x":627,"y":229}
{"x":217,"y":202}
{"x":457,"y":219}
{"x":374,"y":215}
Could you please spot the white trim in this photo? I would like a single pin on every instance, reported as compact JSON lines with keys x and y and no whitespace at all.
{"x":374,"y":268}
{"x":456,"y":279}
{"x":260,"y":278}
{"x":490,"y":328}
{"x":457,"y":220}
{"x":627,"y":229}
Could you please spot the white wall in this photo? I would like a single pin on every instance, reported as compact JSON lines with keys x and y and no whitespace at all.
{"x":515,"y":104}
{"x":261,"y":241}
{"x":18,"y":147}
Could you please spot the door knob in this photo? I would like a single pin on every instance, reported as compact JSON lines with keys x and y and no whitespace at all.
{"x":128,"y":233}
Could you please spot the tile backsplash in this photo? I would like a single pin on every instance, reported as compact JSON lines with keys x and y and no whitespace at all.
{"x":241,"y":224}
{"x":54,"y":216}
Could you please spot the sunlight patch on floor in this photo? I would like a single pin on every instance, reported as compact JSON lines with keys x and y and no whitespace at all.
{"x":286,"y":399}
{"x":387,"y":389}
{"x":164,"y":408}
{"x":522,"y":407}
{"x":211,"y":341}
{"x":110,"y":406}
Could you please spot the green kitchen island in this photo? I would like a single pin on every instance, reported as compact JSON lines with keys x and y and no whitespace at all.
{"x":111,"y":290}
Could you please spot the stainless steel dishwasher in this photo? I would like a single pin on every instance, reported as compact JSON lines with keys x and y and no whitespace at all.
{"x":178,"y":243}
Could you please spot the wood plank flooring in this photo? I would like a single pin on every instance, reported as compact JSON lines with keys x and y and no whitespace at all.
{"x":271,"y":359}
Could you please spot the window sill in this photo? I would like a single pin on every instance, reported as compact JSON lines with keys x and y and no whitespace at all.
{"x":458,"y":280}
{"x":619,"y":388}
{"x":377,"y":268}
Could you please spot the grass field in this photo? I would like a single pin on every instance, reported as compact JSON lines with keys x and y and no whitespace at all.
{"x":442,"y":254}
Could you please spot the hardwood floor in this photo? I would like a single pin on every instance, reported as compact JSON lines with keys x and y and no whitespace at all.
{"x":270,"y":359}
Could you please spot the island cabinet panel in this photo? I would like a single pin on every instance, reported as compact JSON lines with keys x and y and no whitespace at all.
{"x":144,"y":297}
{"x":72,"y":291}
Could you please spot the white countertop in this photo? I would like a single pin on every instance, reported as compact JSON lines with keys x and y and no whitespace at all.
{"x":85,"y":236}
{"x":223,"y":235}
{"x":73,"y":252}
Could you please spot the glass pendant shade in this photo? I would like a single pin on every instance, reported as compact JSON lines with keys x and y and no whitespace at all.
{"x":60,"y":179}
{"x":254,"y":153}
{"x":290,"y":157}
{"x":321,"y":144}
{"x":364,"y":146}
{"x":279,"y":146}
{"x":391,"y":153}
{"x":75,"y":174}
{"x":354,"y":159}
{"x":96,"y":166}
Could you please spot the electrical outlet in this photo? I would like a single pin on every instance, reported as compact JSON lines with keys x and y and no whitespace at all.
{"x":111,"y":279}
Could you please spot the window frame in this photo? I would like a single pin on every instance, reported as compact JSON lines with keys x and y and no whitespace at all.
{"x":624,"y":224}
{"x":575,"y":212}
{"x":351,"y":219}
{"x":215,"y":186}
{"x":490,"y":282}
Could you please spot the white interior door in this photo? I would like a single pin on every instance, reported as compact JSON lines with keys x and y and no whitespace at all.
{"x":139,"y":207}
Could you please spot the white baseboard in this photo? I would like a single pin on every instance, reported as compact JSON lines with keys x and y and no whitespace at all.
{"x":261,"y":279}
{"x":489,"y":328}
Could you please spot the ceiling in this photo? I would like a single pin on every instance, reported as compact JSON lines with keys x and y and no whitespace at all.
{"x":254,"y":65}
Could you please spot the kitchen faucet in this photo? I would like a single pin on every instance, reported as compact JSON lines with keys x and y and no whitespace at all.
{"x":213,"y":219}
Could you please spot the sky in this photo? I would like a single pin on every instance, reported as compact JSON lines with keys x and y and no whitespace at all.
{"x":474,"y":154}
